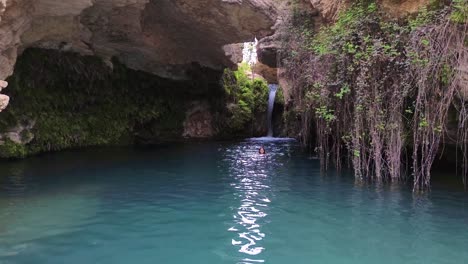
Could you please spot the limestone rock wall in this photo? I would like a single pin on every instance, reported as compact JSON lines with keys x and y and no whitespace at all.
{"x":199,"y":121}
{"x":4,"y":99}
{"x":163,"y":37}
{"x":157,"y":36}
{"x":322,"y":12}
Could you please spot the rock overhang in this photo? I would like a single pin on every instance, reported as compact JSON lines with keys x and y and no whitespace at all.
{"x":157,"y":36}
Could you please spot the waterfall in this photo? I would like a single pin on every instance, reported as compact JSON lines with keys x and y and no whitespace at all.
{"x":271,"y":104}
{"x":249,"y":53}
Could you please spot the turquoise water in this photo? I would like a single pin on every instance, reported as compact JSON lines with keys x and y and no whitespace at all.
{"x":215,"y":203}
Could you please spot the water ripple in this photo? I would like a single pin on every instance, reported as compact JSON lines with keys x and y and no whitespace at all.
{"x":218,"y":203}
{"x":251,"y":182}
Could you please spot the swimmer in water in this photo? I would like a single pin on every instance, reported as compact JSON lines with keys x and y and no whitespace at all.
{"x":261,"y":150}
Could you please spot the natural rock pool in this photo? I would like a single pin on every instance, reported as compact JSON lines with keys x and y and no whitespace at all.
{"x":215,"y":203}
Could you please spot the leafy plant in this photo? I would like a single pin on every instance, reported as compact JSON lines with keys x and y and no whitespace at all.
{"x":460,"y":12}
{"x":345,"y":89}
{"x":247,"y":96}
{"x":77,"y":101}
{"x":398,"y":78}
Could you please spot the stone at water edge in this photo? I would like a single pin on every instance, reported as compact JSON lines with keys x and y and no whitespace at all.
{"x":4,"y":99}
{"x":3,"y":84}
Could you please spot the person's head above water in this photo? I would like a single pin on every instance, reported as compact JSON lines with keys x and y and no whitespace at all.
{"x":262,"y":150}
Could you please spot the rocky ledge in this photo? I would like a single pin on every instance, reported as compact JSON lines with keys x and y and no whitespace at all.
{"x":159,"y":37}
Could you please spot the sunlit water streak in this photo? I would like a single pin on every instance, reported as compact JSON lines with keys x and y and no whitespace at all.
{"x":217,"y":203}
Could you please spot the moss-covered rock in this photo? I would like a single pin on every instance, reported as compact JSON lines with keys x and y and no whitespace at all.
{"x":78,"y":101}
{"x":247,"y":103}
{"x":10,"y":149}
{"x":279,"y":99}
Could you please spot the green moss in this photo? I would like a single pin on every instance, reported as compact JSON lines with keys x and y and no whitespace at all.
{"x":348,"y":20}
{"x":10,"y":149}
{"x":423,"y":17}
{"x":460,"y":11}
{"x":260,"y":93}
{"x":78,"y":101}
{"x":246,"y":97}
{"x":279,"y":99}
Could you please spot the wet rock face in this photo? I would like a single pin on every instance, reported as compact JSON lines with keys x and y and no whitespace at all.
{"x":63,"y":100}
{"x":270,"y":74}
{"x":199,"y":29}
{"x":321,"y":12}
{"x":198,"y":122}
{"x":19,"y":134}
{"x":156,"y":36}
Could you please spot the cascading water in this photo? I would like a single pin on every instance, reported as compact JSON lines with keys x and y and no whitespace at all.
{"x":271,"y":104}
{"x":250,"y":57}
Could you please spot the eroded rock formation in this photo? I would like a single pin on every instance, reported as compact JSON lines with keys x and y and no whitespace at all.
{"x":199,"y":121}
{"x":4,"y":99}
{"x":173,"y":39}
{"x":321,"y":12}
{"x":157,"y":36}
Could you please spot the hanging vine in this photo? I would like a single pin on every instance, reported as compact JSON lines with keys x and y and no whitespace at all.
{"x":370,"y":89}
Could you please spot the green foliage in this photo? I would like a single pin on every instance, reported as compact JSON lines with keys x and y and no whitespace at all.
{"x":322,"y":42}
{"x":302,"y":25}
{"x":350,"y":48}
{"x":246,"y":95}
{"x":348,"y":20}
{"x":279,"y":99}
{"x":417,"y":59}
{"x":10,"y":149}
{"x":460,"y":12}
{"x":425,"y":42}
{"x":446,"y":74}
{"x":345,"y":89}
{"x":423,"y":123}
{"x":77,"y":101}
{"x":356,"y":153}
{"x":438,"y":129}
{"x":423,"y":17}
{"x":366,"y":82}
{"x":241,"y":114}
{"x":325,"y":113}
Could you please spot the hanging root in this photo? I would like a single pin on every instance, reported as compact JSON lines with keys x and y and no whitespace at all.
{"x":369,"y":90}
{"x":437,"y":80}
